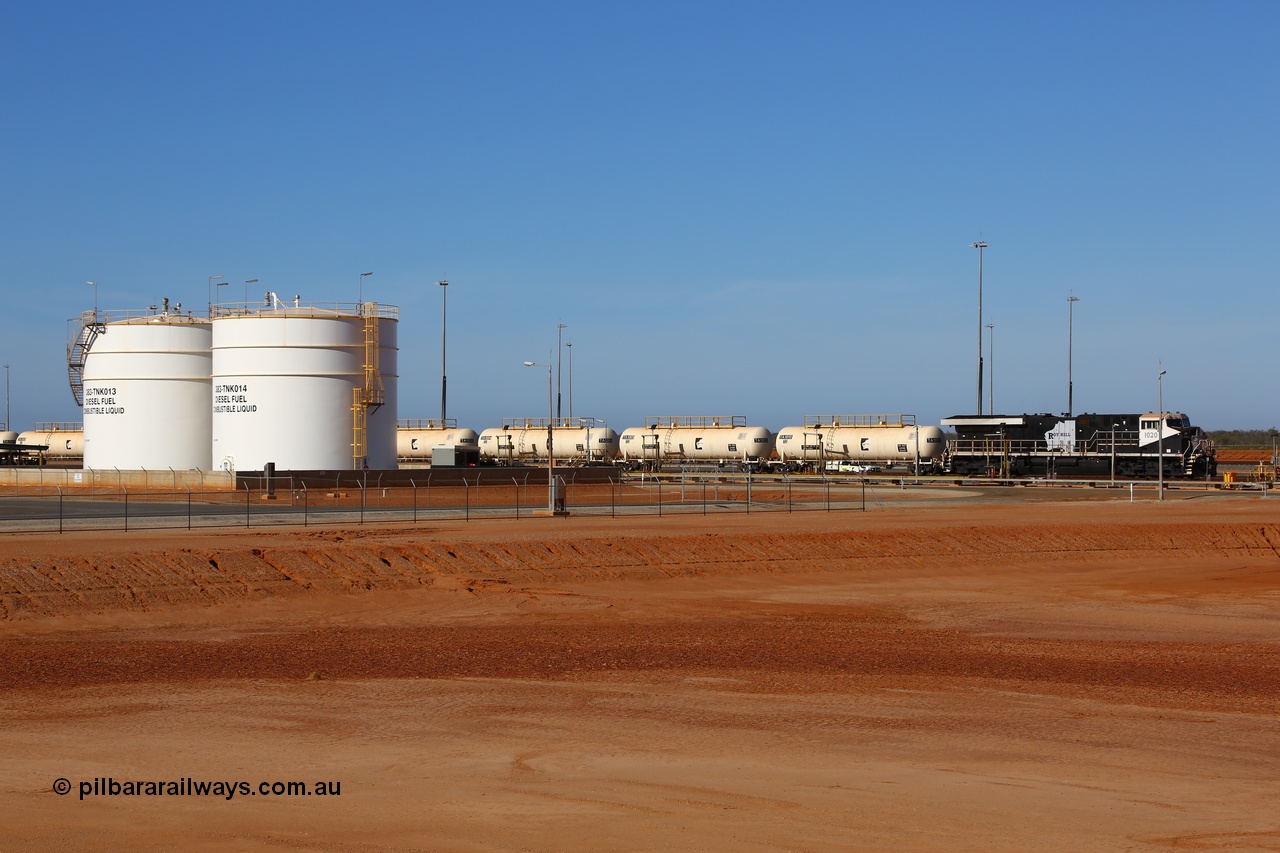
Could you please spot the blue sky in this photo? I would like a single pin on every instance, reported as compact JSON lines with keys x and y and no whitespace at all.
{"x":760,"y":209}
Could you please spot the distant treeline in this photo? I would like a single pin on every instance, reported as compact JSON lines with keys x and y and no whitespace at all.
{"x":1244,"y":437}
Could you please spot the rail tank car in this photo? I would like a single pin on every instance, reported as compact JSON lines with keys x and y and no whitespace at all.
{"x":710,"y":440}
{"x":887,"y":439}
{"x":1087,"y":445}
{"x":65,"y":441}
{"x":416,"y":437}
{"x":573,"y":440}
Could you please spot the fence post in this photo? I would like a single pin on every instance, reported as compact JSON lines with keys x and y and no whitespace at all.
{"x":415,"y":500}
{"x":748,"y":491}
{"x":613,"y":498}
{"x":864,"y":494}
{"x":516,"y":483}
{"x":305,"y":502}
{"x":125,"y":489}
{"x":59,"y":507}
{"x":659,"y":498}
{"x":467,"y":488}
{"x":188,"y":507}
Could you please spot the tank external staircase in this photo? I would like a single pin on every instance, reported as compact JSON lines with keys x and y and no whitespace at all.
{"x":370,"y":394}
{"x":84,"y":332}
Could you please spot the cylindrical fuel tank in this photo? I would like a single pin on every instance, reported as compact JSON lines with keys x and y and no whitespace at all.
{"x":62,"y":443}
{"x":8,"y":436}
{"x":860,"y":437}
{"x":414,"y":439}
{"x":146,"y":381}
{"x":285,"y":379}
{"x":572,"y":440}
{"x":698,"y":439}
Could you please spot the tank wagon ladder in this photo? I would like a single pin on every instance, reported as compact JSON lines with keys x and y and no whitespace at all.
{"x":371,"y":394}
{"x":84,"y":333}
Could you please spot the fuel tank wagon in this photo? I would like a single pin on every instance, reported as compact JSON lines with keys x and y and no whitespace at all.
{"x":884,"y":439}
{"x":64,"y":440}
{"x":416,"y":437}
{"x":711,"y":440}
{"x":577,"y":441}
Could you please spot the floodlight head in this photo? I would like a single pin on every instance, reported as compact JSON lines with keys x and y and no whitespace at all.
{"x":529,"y":364}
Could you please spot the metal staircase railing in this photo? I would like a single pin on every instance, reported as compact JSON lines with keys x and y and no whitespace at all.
{"x":84,"y":333}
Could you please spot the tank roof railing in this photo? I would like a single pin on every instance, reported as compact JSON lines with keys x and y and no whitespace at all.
{"x":104,"y":316}
{"x":58,"y":426}
{"x":696,"y":421}
{"x":557,"y":423}
{"x":860,"y":420}
{"x":296,"y":308}
{"x":427,"y":423}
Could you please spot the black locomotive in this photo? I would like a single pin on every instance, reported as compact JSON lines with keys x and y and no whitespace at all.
{"x":1125,"y":446}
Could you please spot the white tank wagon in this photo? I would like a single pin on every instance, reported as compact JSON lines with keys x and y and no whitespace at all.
{"x":859,"y":439}
{"x":8,"y":436}
{"x":143,"y":379}
{"x":573,"y":440}
{"x":718,"y":440}
{"x":415,"y":437}
{"x":305,"y":386}
{"x":64,"y":440}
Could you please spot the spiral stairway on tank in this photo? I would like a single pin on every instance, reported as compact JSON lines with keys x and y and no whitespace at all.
{"x":81,"y":341}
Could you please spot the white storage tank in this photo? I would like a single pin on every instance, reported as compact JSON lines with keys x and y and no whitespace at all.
{"x":64,"y":440}
{"x":285,"y":384}
{"x":8,"y":436}
{"x":866,"y":438}
{"x":575,"y":440}
{"x":415,"y":437}
{"x":697,"y":439}
{"x":144,"y":382}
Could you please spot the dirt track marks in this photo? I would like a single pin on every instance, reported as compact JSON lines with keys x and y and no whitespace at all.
{"x":150,"y":578}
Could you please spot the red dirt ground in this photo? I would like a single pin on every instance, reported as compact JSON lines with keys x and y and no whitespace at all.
{"x":1064,"y":675}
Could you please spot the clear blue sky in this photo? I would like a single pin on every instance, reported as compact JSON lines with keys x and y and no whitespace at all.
{"x":743,"y":208}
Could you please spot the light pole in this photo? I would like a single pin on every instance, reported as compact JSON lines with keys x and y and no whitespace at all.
{"x":1160,"y":429}
{"x":208,"y":292}
{"x":551,"y":498}
{"x":6,"y":397}
{"x":980,"y":245}
{"x":1071,"y":304}
{"x":559,"y":335}
{"x":991,"y":367}
{"x":569,"y":344}
{"x":444,"y":378}
{"x":247,"y":282}
{"x":94,"y":285}
{"x":363,"y":275}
